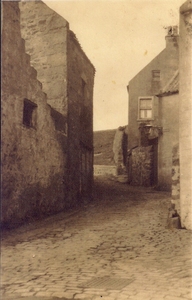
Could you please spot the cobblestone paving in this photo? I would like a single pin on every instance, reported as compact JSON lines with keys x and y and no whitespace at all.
{"x":114,"y":248}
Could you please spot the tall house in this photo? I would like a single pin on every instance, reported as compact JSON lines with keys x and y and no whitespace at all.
{"x":153,"y":121}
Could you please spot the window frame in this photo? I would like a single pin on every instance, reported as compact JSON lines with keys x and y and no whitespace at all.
{"x":139,"y":109}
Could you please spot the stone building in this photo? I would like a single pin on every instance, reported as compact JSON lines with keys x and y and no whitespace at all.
{"x":168,"y":117}
{"x":150,"y":122}
{"x":47,"y":134}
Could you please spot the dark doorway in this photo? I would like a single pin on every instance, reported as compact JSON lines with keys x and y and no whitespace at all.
{"x":86,"y":170}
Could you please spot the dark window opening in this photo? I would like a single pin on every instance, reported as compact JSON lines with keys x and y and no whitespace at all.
{"x":28,"y":113}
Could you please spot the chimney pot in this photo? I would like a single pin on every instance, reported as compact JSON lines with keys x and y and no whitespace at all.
{"x":172,"y":31}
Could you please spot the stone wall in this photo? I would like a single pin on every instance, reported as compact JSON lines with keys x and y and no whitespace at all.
{"x":68,"y":77}
{"x":33,"y":147}
{"x":45,"y":33}
{"x":141,"y":165}
{"x":169,"y":137}
{"x":80,"y":119}
{"x":185,"y":114}
{"x":176,"y":178}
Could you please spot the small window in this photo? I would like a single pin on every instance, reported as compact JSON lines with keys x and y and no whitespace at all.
{"x":29,"y":109}
{"x":145,"y":108}
{"x":156,"y":75}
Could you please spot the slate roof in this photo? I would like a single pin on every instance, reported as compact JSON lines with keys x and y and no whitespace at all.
{"x":172,"y":86}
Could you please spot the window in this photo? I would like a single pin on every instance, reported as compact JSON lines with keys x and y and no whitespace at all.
{"x":145,"y":107}
{"x":156,"y":75}
{"x":29,"y":109}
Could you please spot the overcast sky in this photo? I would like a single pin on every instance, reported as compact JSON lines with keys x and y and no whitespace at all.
{"x":120,"y":38}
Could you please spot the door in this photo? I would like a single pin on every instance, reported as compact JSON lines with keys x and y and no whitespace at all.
{"x":86,"y":172}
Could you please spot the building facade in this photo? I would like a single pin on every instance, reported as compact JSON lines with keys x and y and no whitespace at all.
{"x":47,"y":151}
{"x":150,"y":120}
{"x":171,"y":111}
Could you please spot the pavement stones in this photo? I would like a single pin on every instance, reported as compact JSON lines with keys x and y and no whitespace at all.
{"x":114,"y":248}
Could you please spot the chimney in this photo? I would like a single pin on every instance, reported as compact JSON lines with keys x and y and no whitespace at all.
{"x":172,"y":36}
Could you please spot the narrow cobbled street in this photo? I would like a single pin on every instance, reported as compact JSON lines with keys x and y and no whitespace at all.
{"x":116,"y":247}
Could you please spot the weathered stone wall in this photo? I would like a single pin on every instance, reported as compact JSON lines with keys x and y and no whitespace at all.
{"x":143,"y":85}
{"x":185,"y":114}
{"x":45,"y":33}
{"x":168,"y":116}
{"x":33,"y":157}
{"x":80,"y":119}
{"x":176,"y":178}
{"x":141,"y":164}
{"x":67,"y":76}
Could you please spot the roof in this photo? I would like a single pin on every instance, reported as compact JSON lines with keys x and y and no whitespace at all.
{"x":172,"y":87}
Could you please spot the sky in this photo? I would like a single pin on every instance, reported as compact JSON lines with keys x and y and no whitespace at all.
{"x":120,"y":37}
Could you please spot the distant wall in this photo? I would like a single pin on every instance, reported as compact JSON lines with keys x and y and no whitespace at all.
{"x":33,"y":154}
{"x":102,"y":170}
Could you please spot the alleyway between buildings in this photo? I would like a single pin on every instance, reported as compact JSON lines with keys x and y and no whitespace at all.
{"x":113,"y":248}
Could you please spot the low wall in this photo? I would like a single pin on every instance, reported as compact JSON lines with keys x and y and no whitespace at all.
{"x":100,"y":170}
